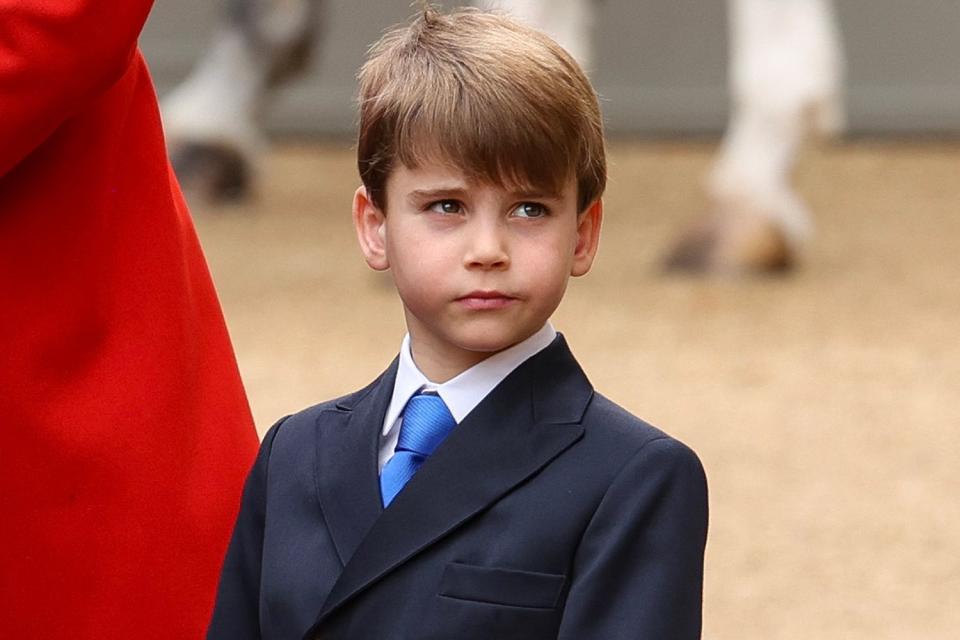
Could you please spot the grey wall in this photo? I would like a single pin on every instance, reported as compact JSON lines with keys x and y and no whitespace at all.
{"x":903,"y":64}
{"x":660,"y":63}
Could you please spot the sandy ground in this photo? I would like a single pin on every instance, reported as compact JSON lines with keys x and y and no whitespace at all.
{"x":824,"y":405}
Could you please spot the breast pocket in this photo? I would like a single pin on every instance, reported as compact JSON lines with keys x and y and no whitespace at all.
{"x":487,"y":603}
{"x":508,"y":587}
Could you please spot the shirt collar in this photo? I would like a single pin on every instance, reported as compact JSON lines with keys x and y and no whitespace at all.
{"x":464,"y":392}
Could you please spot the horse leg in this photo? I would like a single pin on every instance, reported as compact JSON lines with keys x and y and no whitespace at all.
{"x":212,"y":118}
{"x":786,"y":80}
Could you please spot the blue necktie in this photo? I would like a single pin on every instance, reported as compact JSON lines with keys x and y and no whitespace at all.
{"x":426,"y":422}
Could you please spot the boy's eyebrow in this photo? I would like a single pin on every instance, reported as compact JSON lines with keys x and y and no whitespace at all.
{"x":418,"y":194}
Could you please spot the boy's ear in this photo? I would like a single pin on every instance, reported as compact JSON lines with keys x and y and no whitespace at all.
{"x":370,"y":224}
{"x":588,"y":237}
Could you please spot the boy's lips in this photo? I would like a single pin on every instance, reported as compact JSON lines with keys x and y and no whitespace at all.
{"x":486,"y":300}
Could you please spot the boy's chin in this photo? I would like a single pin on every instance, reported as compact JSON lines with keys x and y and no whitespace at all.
{"x":491,"y":342}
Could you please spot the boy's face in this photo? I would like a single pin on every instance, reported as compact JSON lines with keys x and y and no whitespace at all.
{"x":478,"y":267}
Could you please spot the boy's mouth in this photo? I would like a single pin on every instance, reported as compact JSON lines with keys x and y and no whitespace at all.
{"x":480,"y":300}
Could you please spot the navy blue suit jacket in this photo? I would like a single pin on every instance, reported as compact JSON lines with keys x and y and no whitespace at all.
{"x":549,"y":512}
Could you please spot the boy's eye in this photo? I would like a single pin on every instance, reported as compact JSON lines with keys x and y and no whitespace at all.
{"x":530,"y":210}
{"x":445,"y":206}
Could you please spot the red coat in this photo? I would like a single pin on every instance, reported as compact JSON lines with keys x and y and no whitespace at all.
{"x":124,"y":430}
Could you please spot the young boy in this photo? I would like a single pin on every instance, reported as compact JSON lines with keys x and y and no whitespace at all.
{"x":479,"y":488}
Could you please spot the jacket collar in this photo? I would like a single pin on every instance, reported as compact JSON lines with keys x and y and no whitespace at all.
{"x":347,"y":451}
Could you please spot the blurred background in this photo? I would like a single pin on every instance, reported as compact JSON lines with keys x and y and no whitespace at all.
{"x":820,"y":387}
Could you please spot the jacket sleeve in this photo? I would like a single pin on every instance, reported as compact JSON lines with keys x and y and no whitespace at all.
{"x":236,"y":614}
{"x":638,"y":572}
{"x":56,"y":57}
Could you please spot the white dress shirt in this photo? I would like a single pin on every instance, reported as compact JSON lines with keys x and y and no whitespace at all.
{"x":462,"y":393}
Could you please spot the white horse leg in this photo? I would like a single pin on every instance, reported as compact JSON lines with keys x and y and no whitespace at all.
{"x":211,"y":118}
{"x":569,"y":22}
{"x":786,"y":74}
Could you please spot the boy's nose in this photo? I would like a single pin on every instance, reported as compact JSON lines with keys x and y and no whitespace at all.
{"x":486,"y":248}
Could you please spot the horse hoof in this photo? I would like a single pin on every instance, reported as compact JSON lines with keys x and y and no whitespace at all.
{"x":731,"y":244}
{"x":212,"y":172}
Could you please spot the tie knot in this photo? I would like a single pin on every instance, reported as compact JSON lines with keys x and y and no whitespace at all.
{"x":426,"y":422}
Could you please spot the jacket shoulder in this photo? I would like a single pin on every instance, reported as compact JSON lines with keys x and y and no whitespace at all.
{"x":607,"y":421}
{"x":629,"y":445}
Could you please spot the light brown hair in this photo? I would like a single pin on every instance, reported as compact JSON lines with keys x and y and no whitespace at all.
{"x":496,"y":99}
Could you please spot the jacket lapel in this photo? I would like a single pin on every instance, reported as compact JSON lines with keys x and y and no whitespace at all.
{"x":529,"y":419}
{"x":347,"y":460}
